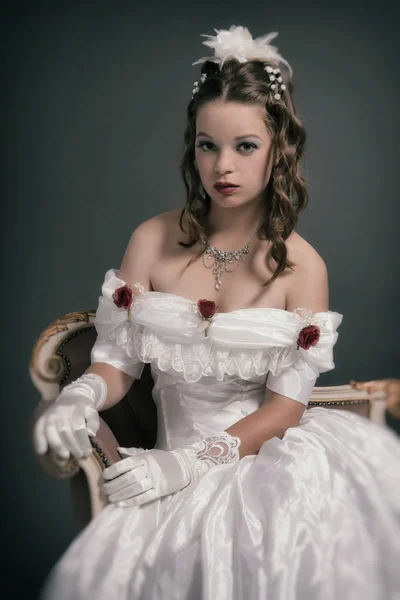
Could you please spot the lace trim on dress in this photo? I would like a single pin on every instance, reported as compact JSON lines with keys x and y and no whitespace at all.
{"x":220,"y":449}
{"x":204,"y":357}
{"x":200,"y":359}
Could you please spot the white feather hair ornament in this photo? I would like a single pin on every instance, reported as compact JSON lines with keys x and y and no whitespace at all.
{"x":238,"y":43}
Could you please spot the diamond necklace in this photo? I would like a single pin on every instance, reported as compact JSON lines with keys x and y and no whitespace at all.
{"x":223,"y":259}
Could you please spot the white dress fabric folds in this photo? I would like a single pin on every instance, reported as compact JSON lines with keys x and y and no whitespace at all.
{"x":314,"y":515}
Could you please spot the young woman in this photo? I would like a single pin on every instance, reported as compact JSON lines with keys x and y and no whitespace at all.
{"x":246,"y":494}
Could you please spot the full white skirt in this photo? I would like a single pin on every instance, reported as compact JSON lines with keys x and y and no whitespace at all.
{"x":313,"y":516}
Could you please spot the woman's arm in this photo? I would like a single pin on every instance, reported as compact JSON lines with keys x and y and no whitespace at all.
{"x":118,"y":383}
{"x":272,"y":419}
{"x":137,"y":263}
{"x":309,"y":289}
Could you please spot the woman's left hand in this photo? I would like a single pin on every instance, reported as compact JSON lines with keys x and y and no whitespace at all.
{"x":146,"y":475}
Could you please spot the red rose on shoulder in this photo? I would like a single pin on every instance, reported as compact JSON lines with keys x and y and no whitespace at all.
{"x":122,"y":297}
{"x":308,"y":337}
{"x":207,"y":308}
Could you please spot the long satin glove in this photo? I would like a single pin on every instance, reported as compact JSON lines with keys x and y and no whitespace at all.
{"x":145,"y":475}
{"x":71,"y":418}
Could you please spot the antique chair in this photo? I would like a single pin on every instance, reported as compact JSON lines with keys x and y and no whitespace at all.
{"x":62,"y":354}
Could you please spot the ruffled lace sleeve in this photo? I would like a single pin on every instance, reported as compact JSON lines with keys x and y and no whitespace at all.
{"x":300,"y":365}
{"x":115,"y":330}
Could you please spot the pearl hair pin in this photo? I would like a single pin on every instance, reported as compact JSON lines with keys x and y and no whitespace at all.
{"x":275,"y":78}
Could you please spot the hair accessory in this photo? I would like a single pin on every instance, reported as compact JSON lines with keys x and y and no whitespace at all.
{"x":238,"y":43}
{"x":196,"y":84}
{"x":275,"y":75}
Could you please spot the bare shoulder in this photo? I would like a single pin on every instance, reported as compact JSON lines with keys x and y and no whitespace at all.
{"x":143,"y":249}
{"x":303,"y":254}
{"x":159,"y":224}
{"x":308,"y":284}
{"x":172,"y":219}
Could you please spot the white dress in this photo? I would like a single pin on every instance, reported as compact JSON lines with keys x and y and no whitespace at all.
{"x":314,"y":515}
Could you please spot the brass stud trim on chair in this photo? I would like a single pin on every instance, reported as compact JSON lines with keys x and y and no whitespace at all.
{"x":101,"y":454}
{"x":337,"y":402}
{"x":62,"y":355}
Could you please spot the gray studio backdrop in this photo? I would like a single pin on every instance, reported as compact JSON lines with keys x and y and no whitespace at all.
{"x":94,"y":108}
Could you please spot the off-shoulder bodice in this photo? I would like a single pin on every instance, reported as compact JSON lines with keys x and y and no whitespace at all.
{"x":205,"y":372}
{"x":164,"y":328}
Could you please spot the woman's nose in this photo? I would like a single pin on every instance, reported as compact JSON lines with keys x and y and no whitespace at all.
{"x":224,"y":163}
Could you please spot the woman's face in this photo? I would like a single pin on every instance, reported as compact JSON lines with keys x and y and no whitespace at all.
{"x":233,"y":145}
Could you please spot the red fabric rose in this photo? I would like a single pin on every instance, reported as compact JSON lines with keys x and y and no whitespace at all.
{"x":308,"y":337}
{"x":207,"y":308}
{"x":123,"y":297}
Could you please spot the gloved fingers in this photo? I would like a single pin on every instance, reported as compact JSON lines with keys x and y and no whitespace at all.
{"x":69,"y":437}
{"x":122,"y":466}
{"x":38,"y":436}
{"x":81,"y":434}
{"x":127,"y":503}
{"x":54,"y":440}
{"x":67,"y":426}
{"x":92,"y":420}
{"x":140,"y":499}
{"x":132,"y":490}
{"x":83,"y":440}
{"x":130,"y":451}
{"x":125,"y":480}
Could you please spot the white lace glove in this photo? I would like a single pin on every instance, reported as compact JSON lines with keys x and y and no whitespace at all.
{"x":146,"y":475}
{"x":73,"y":415}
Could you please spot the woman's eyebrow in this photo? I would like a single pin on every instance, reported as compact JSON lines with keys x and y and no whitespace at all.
{"x":240,"y":137}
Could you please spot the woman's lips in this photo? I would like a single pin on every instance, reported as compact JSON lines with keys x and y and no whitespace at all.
{"x":226,"y":189}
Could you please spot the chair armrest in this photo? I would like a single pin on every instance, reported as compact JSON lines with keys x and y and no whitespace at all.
{"x":53,"y":465}
{"x":384,"y":395}
{"x":104,"y":446}
{"x":104,"y":454}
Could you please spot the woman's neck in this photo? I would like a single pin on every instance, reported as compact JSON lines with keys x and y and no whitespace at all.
{"x":231,"y":229}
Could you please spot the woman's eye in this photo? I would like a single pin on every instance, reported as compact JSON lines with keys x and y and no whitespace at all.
{"x":249,"y":145}
{"x":203,"y":144}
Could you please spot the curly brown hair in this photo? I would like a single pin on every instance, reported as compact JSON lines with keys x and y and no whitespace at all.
{"x":249,"y":83}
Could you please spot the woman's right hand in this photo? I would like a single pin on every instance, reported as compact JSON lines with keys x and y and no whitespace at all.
{"x":71,"y":418}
